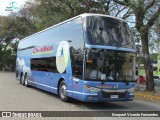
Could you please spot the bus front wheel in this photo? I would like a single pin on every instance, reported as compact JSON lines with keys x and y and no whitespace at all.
{"x":63,"y":92}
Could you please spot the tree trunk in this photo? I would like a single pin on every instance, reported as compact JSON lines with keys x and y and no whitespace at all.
{"x":147,"y":61}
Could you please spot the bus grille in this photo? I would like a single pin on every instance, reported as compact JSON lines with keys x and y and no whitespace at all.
{"x":108,"y":94}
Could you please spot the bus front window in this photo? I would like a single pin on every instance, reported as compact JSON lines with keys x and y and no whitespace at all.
{"x":109,"y":65}
{"x":108,"y":31}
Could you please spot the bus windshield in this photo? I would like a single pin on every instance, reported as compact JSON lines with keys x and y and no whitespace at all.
{"x":109,"y":65}
{"x":108,"y":31}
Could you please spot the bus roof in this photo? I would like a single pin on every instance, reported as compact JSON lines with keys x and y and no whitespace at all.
{"x":81,"y":15}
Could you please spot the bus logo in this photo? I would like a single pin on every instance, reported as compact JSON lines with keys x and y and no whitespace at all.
{"x":62,"y":56}
{"x":42,"y":50}
{"x":115,"y":85}
{"x":104,"y":86}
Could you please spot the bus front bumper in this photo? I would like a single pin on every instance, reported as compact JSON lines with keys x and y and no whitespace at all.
{"x":103,"y":96}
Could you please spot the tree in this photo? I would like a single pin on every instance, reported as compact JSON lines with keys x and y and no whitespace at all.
{"x":12,"y":28}
{"x":141,"y":9}
{"x":157,"y":32}
{"x":46,"y":13}
{"x":7,"y":29}
{"x":35,"y":16}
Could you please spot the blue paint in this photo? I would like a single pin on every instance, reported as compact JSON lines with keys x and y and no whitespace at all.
{"x":48,"y":80}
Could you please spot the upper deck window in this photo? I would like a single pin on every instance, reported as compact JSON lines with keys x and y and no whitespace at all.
{"x":108,"y":31}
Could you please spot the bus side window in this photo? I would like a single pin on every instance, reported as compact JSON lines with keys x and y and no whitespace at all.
{"x":78,"y":68}
{"x":44,"y":64}
{"x":77,"y":63}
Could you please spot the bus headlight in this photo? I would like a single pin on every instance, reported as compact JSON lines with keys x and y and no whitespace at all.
{"x":131,"y":89}
{"x":92,"y":89}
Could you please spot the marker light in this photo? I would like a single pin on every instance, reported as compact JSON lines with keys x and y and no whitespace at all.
{"x":131,"y":89}
{"x":92,"y":89}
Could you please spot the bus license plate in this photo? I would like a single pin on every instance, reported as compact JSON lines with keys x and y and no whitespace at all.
{"x":114,"y":96}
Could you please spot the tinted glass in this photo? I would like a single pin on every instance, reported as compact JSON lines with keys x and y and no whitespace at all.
{"x":44,"y":64}
{"x":112,"y":65}
{"x":77,"y":49}
{"x":77,"y":56}
{"x":107,"y":31}
{"x":69,"y":31}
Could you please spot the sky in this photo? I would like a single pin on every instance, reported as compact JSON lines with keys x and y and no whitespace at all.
{"x":8,"y":6}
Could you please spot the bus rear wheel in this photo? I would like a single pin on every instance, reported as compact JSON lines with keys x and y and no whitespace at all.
{"x":63,"y":92}
{"x":20,"y":80}
{"x":26,"y":81}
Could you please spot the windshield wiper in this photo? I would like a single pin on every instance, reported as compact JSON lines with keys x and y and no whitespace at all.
{"x":124,"y":45}
{"x":127,"y":82}
{"x":107,"y":79}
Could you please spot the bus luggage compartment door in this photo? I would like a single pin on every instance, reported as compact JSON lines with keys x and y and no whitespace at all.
{"x":76,"y":88}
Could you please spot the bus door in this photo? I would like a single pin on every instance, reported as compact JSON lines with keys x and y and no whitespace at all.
{"x":77,"y":79}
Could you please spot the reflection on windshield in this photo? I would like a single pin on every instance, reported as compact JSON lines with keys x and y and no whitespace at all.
{"x":108,"y":31}
{"x":111,"y":65}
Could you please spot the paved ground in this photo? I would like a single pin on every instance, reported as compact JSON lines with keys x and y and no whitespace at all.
{"x":15,"y":97}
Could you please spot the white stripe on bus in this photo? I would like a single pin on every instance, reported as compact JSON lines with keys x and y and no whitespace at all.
{"x":67,"y":90}
{"x":42,"y":84}
{"x":80,"y":92}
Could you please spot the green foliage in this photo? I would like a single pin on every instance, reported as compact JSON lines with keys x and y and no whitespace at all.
{"x":47,"y":12}
{"x":153,"y":57}
{"x":37,"y":15}
{"x":157,"y":32}
{"x":12,"y":28}
{"x":146,"y":13}
{"x":8,"y":57}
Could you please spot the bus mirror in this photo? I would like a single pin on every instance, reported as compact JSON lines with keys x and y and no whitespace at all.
{"x":69,"y":41}
{"x":89,"y":57}
{"x":131,"y":59}
{"x":100,"y":28}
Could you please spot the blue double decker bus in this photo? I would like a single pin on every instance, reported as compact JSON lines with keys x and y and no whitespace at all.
{"x":90,"y":57}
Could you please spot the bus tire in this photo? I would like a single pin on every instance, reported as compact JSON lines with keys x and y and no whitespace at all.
{"x":63,"y":92}
{"x":20,"y":80}
{"x":23,"y":77}
{"x":26,"y":81}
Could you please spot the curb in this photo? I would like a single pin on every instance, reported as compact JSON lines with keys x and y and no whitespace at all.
{"x":147,"y":96}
